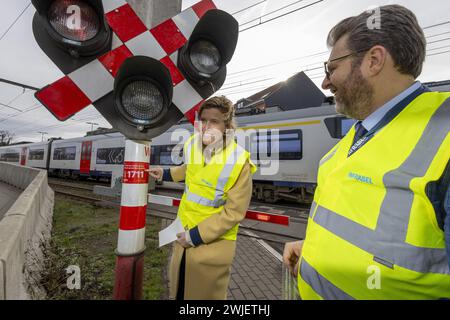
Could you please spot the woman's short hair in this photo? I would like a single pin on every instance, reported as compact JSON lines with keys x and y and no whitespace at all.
{"x":224,"y":105}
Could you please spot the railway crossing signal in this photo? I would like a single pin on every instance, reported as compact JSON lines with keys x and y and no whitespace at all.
{"x":142,"y":81}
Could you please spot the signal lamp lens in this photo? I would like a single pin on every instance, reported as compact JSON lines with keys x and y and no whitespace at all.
{"x":74,"y":20}
{"x":205,"y":57}
{"x":142,"y":101}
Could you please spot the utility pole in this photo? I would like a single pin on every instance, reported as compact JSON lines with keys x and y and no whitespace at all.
{"x":129,"y":271}
{"x":92,"y":125}
{"x":42,"y":138}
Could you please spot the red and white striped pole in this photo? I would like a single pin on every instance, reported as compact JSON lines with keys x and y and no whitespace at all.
{"x":131,"y":241}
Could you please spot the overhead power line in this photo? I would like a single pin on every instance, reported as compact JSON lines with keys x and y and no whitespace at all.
{"x":253,"y":70}
{"x":14,"y":22}
{"x":248,"y":83}
{"x":278,"y":63}
{"x":437,"y":25}
{"x":32,"y":108}
{"x":436,"y":41}
{"x":17,"y":84}
{"x":438,"y":53}
{"x":272,"y":12}
{"x":437,"y":35}
{"x":5,"y":105}
{"x":249,"y":7}
{"x":439,"y":48}
{"x":278,"y":17}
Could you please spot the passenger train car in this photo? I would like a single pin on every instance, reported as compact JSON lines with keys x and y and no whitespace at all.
{"x":285,"y":145}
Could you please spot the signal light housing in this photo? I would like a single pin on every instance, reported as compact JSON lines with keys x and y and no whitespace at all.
{"x":142,"y":93}
{"x":146,"y":81}
{"x":211,"y":46}
{"x":68,"y":29}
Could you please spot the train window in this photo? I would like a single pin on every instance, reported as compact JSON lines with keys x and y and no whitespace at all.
{"x":110,"y":155}
{"x":338,"y":127}
{"x":37,"y":154}
{"x":279,"y":145}
{"x":154,"y":152}
{"x":162,"y":155}
{"x":66,"y":153}
{"x":10,"y":157}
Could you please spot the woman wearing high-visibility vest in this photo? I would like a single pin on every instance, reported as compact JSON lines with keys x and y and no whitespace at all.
{"x":217,"y":174}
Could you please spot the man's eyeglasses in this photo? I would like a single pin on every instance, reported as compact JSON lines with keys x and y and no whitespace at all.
{"x":327,"y":71}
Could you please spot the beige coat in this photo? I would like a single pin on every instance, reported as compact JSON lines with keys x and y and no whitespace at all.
{"x":208,"y":266}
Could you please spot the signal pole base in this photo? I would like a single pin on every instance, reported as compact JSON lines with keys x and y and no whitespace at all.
{"x":129,"y":277}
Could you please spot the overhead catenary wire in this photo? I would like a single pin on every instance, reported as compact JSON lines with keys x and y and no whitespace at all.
{"x":270,"y":13}
{"x":32,"y":108}
{"x":14,"y":22}
{"x":439,"y":48}
{"x":438,"y":53}
{"x":305,"y":70}
{"x":318,"y":76}
{"x":437,"y":25}
{"x":235,"y":74}
{"x":437,"y":35}
{"x":18,"y":84}
{"x":281,"y":16}
{"x":248,"y":83}
{"x":56,"y":126}
{"x":16,"y":97}
{"x":278,"y":63}
{"x":249,"y":7}
{"x":440,"y":24}
{"x":7,"y":106}
{"x":436,"y":41}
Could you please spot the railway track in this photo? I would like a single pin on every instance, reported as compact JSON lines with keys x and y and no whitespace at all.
{"x":297,"y":212}
{"x":68,"y":190}
{"x":302,"y":209}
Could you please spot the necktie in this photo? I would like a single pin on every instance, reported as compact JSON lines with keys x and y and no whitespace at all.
{"x":360,"y":131}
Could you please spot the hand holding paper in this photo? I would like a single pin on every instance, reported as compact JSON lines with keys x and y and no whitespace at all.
{"x":169,"y":234}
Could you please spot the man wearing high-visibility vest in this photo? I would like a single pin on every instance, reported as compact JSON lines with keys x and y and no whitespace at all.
{"x":217,"y":174}
{"x":379,"y":226}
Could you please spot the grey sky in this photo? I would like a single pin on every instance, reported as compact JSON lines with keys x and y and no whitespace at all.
{"x":282,"y":42}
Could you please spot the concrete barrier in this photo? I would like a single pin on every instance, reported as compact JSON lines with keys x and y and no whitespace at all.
{"x":23,"y":230}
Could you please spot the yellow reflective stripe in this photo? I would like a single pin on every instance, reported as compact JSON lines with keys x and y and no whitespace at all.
{"x":388,"y":241}
{"x":322,"y":286}
{"x":225,"y":174}
{"x":216,"y":203}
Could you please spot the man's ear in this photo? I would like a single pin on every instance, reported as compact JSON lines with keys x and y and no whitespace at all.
{"x":375,"y":60}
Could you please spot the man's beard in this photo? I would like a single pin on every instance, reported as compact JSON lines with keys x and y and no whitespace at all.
{"x":354,"y":99}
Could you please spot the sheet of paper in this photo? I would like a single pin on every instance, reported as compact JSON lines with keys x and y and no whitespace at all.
{"x":169,"y":234}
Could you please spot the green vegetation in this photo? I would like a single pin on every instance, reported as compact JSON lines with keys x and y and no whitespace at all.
{"x":86,"y":236}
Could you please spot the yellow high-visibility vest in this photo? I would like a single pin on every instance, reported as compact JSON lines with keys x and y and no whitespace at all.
{"x":207,"y":185}
{"x":372,"y":231}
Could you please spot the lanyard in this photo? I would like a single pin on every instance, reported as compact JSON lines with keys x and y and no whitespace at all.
{"x":390,"y":115}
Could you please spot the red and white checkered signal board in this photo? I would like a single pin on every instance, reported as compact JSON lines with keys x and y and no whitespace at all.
{"x":86,"y":85}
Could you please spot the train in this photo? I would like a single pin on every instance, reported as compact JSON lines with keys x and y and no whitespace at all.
{"x":285,"y":145}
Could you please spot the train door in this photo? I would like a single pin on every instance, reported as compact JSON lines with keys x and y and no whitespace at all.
{"x":23,"y":156}
{"x":85,"y":162}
